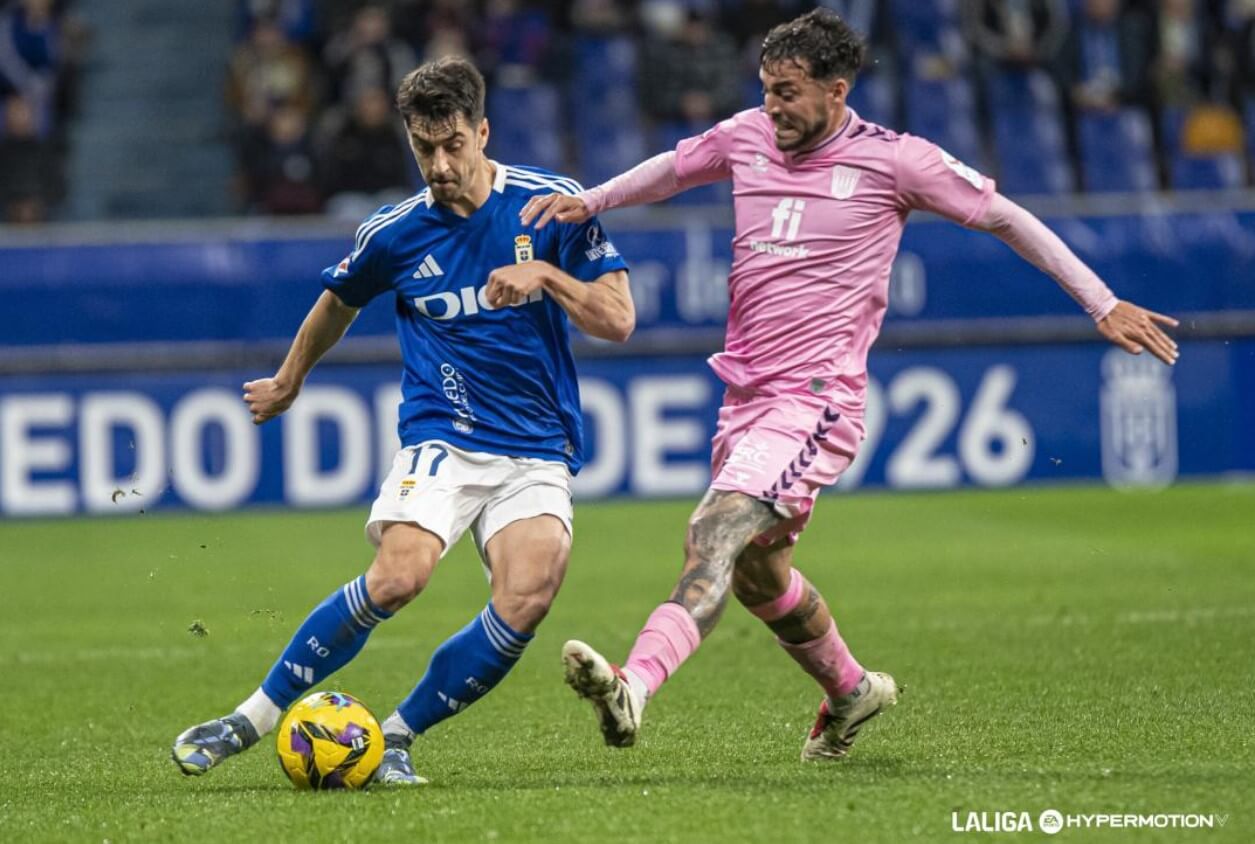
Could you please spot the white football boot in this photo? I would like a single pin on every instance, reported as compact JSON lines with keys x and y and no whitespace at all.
{"x":837,"y":726}
{"x":606,"y":688}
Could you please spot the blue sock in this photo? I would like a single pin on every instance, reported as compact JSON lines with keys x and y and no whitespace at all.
{"x":462,"y":670}
{"x":332,"y":635}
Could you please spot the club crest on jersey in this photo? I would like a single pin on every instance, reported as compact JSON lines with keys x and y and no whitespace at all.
{"x":523,"y":249}
{"x":844,"y":181}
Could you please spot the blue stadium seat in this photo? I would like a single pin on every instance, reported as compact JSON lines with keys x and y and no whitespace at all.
{"x":874,"y":99}
{"x":1213,"y":172}
{"x":1116,"y":151}
{"x":1032,"y":153}
{"x":1032,"y":90}
{"x":526,"y":125}
{"x":944,"y":111}
{"x":606,"y":155}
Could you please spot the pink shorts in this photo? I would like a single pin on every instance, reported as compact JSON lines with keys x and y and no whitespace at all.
{"x":782,"y":450}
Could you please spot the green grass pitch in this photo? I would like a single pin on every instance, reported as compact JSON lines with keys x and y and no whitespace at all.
{"x":1072,"y":648}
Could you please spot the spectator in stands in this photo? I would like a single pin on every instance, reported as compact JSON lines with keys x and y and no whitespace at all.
{"x":516,"y":42}
{"x":605,"y":17}
{"x":367,"y":54}
{"x":1243,"y":50}
{"x":268,"y":72}
{"x":1017,"y":34}
{"x":1182,"y":70}
{"x":280,"y":176}
{"x":29,"y":55}
{"x":31,"y":179}
{"x":364,"y":160}
{"x":297,"y":18}
{"x":1105,"y":62}
{"x":690,"y":73}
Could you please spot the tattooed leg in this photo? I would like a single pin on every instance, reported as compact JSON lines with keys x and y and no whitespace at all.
{"x":763,"y":578}
{"x":770,"y":588}
{"x":721,"y":528}
{"x":724,"y":523}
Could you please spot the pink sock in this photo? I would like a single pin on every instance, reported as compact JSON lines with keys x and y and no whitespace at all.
{"x":786,"y":603}
{"x":828,"y":660}
{"x":669,"y":636}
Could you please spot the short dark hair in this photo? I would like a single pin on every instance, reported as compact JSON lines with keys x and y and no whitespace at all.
{"x":819,"y":38}
{"x":436,"y":92}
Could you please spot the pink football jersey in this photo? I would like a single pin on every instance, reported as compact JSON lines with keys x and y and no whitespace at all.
{"x":816,"y":235}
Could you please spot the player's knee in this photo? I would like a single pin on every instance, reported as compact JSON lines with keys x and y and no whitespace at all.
{"x":524,"y":611}
{"x":395,"y":579}
{"x":748,"y":587}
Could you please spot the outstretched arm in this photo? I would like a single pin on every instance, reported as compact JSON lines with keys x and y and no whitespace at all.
{"x":323,"y":327}
{"x":1125,"y":324}
{"x":601,"y":308}
{"x":650,"y":181}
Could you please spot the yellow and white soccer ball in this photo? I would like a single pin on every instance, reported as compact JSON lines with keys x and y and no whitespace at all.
{"x":330,"y":740}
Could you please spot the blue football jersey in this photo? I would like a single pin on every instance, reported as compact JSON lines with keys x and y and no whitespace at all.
{"x":500,"y":381}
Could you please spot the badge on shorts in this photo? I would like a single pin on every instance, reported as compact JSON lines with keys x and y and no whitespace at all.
{"x":523,"y":249}
{"x":407,"y":486}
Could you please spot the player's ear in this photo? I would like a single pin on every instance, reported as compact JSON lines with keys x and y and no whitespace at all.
{"x":839,"y":89}
{"x":483,"y":132}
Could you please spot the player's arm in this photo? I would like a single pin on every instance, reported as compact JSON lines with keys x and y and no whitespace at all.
{"x":695,"y":161}
{"x":650,"y":181}
{"x":1125,"y":324}
{"x":323,"y":327}
{"x":600,"y":308}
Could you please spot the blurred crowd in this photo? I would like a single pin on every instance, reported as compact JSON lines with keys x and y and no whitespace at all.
{"x":40,"y":46}
{"x":1049,"y":96}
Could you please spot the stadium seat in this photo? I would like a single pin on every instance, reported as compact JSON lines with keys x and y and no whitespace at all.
{"x":1116,"y":151}
{"x":526,"y":125}
{"x":874,"y":99}
{"x":944,"y":111}
{"x":1032,"y":153}
{"x":1213,"y":172}
{"x":1031,"y":90}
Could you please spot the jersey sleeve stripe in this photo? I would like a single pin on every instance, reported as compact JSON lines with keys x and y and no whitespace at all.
{"x":371,"y":227}
{"x":525,"y":178}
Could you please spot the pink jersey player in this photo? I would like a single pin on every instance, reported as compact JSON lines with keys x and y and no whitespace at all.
{"x":821,"y":198}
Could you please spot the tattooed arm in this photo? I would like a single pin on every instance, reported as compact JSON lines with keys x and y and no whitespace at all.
{"x":721,"y":528}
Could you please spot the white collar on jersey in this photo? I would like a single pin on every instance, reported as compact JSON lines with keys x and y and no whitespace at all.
{"x":498,"y":182}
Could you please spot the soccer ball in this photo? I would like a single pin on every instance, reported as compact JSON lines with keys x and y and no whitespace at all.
{"x":330,"y":740}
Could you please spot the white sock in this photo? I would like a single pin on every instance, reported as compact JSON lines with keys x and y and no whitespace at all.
{"x":394,"y":725}
{"x":638,"y":687}
{"x":260,"y":711}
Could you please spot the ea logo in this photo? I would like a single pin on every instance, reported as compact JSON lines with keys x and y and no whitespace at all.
{"x":1050,"y":822}
{"x":595,"y":237}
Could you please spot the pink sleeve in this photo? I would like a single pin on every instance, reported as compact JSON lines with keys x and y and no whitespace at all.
{"x":703,"y":158}
{"x":1042,"y":248}
{"x":930,"y":179}
{"x":696,"y":161}
{"x":652,"y":180}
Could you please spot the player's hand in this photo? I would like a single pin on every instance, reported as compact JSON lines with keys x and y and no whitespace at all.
{"x":1133,"y":329}
{"x":554,"y":206}
{"x":268,"y":397}
{"x":512,"y":284}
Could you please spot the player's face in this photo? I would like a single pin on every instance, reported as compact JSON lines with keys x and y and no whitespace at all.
{"x":449,"y":154}
{"x":804,"y":110}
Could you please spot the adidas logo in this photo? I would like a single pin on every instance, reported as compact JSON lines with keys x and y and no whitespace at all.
{"x":302,"y":672}
{"x":454,"y":704}
{"x":428,"y":269}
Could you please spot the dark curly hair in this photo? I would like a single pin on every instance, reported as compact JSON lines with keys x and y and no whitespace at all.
{"x":818,"y":40}
{"x":435,"y":93}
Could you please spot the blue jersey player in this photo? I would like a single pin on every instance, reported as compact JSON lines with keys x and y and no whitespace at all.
{"x":489,"y":422}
